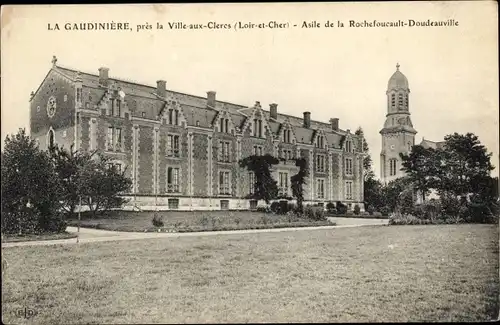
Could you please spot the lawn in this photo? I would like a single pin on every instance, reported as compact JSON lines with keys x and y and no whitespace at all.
{"x":193,"y":221}
{"x":14,"y":238}
{"x":365,"y":274}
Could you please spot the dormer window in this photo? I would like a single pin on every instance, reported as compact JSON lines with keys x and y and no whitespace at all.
{"x":257,"y":128}
{"x":173,"y":117}
{"x":224,"y":125}
{"x":348,"y":146}
{"x":287,"y":136}
{"x":320,"y":142}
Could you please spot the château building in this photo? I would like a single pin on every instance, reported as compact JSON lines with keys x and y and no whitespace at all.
{"x":182,"y":151}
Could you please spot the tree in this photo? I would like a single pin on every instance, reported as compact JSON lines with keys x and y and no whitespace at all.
{"x":373,"y":194}
{"x":101,"y":186}
{"x":68,"y":164}
{"x":392,"y":191}
{"x":372,"y":187}
{"x":367,"y":160}
{"x":422,"y":168}
{"x":30,"y":188}
{"x":464,"y":165}
{"x":266,"y":188}
{"x":298,"y":180}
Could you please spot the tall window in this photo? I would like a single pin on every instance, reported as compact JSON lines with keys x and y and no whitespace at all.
{"x":320,"y":163}
{"x":283,"y":183}
{"x":51,"y":138}
{"x":321,"y":188}
{"x":118,"y":110}
{"x":393,"y":100}
{"x":224,"y":125}
{"x":320,"y":141}
{"x":286,"y":154}
{"x":118,"y":139}
{"x":116,"y":166}
{"x":114,"y":139}
{"x":225,"y":151}
{"x":251,"y":182}
{"x":348,"y":190}
{"x":406,"y":101}
{"x":173,"y":180}
{"x":79,"y":95}
{"x":348,"y":146}
{"x":392,"y":167}
{"x":257,"y":128}
{"x":173,"y":117}
{"x":257,"y":150}
{"x":287,"y":136}
{"x":400,"y":101}
{"x":224,"y":186}
{"x":348,"y":166}
{"x":173,"y":146}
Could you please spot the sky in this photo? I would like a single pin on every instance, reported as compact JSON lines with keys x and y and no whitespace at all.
{"x":331,"y":72}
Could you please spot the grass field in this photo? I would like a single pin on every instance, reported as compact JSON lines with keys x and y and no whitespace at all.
{"x":11,"y":238}
{"x":192,"y":221}
{"x":365,"y":274}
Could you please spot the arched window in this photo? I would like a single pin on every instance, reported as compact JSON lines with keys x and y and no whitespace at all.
{"x":51,"y":137}
{"x":409,"y":146}
{"x":393,"y":100}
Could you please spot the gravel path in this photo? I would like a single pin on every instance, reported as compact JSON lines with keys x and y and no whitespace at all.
{"x":88,"y":235}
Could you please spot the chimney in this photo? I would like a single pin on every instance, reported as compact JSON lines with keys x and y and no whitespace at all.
{"x":103,"y":76}
{"x":335,"y":124}
{"x":211,"y":99}
{"x":307,"y":119}
{"x":273,"y":111}
{"x":161,"y":88}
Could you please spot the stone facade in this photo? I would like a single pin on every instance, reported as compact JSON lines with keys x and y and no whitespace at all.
{"x":183,"y":151}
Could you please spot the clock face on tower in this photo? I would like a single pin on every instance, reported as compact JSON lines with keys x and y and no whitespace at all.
{"x":392,"y":147}
{"x":51,"y":106}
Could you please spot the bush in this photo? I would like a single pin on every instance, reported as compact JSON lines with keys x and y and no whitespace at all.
{"x":341,"y":208}
{"x":398,"y":218}
{"x":377,"y":214}
{"x":291,"y":207}
{"x":330,"y":207}
{"x":370,"y":209}
{"x":275,"y":207}
{"x":357,"y":209}
{"x":265,"y":209}
{"x":431,"y":210}
{"x":385,"y":211}
{"x":479,"y":212}
{"x":157,"y":221}
{"x":315,"y":213}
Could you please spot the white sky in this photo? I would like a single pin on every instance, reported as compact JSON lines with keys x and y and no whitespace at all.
{"x":336,"y":72}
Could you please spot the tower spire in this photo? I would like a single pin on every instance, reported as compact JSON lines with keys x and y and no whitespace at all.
{"x":397,"y":66}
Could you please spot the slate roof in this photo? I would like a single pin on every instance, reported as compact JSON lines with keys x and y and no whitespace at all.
{"x":432,"y":144}
{"x":194,"y":107}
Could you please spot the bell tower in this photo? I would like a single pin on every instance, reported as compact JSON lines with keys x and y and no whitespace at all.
{"x":398,"y":134}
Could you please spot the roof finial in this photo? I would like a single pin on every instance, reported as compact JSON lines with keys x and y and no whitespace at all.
{"x":397,"y":66}
{"x":54,"y":60}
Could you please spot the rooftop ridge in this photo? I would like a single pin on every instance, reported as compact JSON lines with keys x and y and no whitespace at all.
{"x":133,"y":82}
